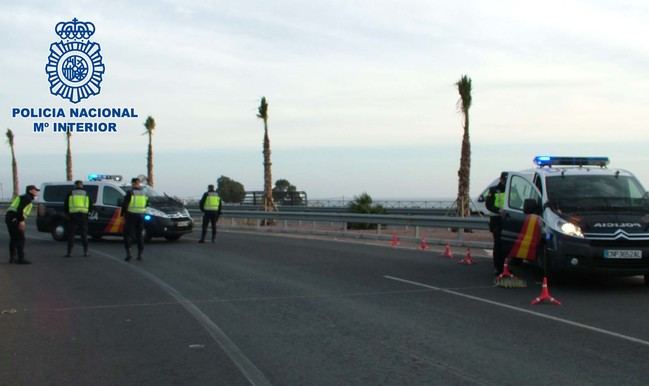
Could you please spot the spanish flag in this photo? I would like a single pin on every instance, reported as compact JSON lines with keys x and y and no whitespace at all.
{"x":116,"y":223}
{"x":528,"y":239}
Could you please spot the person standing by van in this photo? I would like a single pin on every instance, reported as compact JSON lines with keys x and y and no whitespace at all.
{"x":133,"y":208}
{"x":495,"y":202}
{"x":210,"y":205}
{"x":17,"y":212}
{"x":77,"y":206}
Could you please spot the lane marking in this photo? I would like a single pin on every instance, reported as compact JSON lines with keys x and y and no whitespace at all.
{"x":247,"y":368}
{"x":523,"y":310}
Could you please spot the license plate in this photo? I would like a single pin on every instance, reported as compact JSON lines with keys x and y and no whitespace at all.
{"x":182,"y":223}
{"x":622,"y":254}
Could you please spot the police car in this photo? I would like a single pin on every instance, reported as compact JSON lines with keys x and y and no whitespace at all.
{"x":594,"y":219}
{"x":165,"y":217}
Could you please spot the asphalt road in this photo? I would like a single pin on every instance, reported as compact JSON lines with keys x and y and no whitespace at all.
{"x":267,"y":309}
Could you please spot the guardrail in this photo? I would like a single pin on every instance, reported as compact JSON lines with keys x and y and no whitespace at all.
{"x":417,"y":222}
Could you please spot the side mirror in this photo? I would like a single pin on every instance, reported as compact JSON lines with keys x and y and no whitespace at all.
{"x":531,"y":206}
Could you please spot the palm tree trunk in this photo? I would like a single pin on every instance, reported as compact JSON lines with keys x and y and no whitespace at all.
{"x":463,"y":198}
{"x":269,"y":204}
{"x":149,"y":163}
{"x":14,"y":171}
{"x":68,"y":159}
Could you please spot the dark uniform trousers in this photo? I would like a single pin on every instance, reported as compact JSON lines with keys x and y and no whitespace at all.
{"x":17,"y":237}
{"x":133,"y":228}
{"x":496,"y":228}
{"x":209,"y":217}
{"x":78,"y":221}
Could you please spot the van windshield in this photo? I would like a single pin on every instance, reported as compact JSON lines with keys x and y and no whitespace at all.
{"x":596,"y":192}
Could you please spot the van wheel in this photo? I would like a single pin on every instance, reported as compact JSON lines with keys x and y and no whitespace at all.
{"x":146,"y":235}
{"x":58,"y":230}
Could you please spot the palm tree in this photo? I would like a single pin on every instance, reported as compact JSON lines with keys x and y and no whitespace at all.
{"x":150,"y":126}
{"x":464,"y":104}
{"x":14,"y":165}
{"x":68,"y":158}
{"x":269,"y":204}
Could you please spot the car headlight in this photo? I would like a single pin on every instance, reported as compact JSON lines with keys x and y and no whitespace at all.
{"x":185,"y":212}
{"x":570,"y":229}
{"x":156,"y":213}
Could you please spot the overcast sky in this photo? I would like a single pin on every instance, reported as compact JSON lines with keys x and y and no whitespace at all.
{"x":361,"y":93}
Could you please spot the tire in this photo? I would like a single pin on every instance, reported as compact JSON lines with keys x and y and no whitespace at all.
{"x":146,"y":235}
{"x":58,"y":230}
{"x":172,"y":238}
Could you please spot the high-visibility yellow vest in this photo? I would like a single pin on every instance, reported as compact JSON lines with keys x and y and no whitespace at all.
{"x":212,"y":202}
{"x":14,"y":207}
{"x":79,"y":202}
{"x":499,"y":200}
{"x":138,"y":202}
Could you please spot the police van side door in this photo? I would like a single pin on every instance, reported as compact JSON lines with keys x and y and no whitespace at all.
{"x":518,"y":189}
{"x":110,"y":220}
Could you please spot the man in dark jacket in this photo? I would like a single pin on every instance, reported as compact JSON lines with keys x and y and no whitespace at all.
{"x":77,"y":206}
{"x":210,"y":205}
{"x":17,"y":212}
{"x":133,"y":208}
{"x":495,"y":202}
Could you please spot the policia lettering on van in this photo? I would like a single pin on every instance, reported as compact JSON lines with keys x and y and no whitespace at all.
{"x":594,"y":219}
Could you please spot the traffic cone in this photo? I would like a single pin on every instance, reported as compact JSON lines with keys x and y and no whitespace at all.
{"x":467,"y":259}
{"x":507,"y":279}
{"x":447,"y":251}
{"x":545,"y":294}
{"x":395,"y":240}
{"x":423,"y":245}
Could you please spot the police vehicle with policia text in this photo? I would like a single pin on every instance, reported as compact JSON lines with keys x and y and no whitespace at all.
{"x":593,"y":219}
{"x":164,"y":217}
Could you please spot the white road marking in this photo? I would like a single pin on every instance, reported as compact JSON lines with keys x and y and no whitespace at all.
{"x":247,"y":368}
{"x":523,"y":310}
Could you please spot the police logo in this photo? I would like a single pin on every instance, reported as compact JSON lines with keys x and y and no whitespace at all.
{"x":74,"y":67}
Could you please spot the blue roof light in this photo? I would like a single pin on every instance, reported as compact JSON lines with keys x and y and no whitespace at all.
{"x":544,"y":160}
{"x":147,"y":217}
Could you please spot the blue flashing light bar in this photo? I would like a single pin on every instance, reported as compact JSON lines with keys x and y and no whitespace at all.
{"x":549,"y":161}
{"x":100,"y":177}
{"x":147,"y":217}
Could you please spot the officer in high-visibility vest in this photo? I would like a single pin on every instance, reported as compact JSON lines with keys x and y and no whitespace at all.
{"x":77,"y":206}
{"x":133,"y":208}
{"x":210,"y":205}
{"x":495,"y":202}
{"x":17,"y":212}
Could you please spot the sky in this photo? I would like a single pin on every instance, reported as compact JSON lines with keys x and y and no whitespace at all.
{"x":362,"y":94}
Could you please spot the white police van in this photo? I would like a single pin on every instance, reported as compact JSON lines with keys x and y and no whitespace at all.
{"x":165,"y":217}
{"x":595,"y":219}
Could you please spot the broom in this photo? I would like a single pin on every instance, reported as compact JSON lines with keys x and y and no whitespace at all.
{"x":507,"y":279}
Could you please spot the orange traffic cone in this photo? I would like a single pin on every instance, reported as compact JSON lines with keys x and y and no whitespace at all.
{"x":423,"y":245}
{"x":507,"y":279}
{"x":447,"y":251}
{"x":545,"y":294}
{"x":467,"y":259}
{"x":395,"y":240}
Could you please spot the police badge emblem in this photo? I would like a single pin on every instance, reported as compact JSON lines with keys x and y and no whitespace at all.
{"x":74,"y":67}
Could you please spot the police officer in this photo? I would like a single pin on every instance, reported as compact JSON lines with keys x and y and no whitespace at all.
{"x":17,"y":212}
{"x":133,"y":208}
{"x":77,"y":206}
{"x":495,"y":202}
{"x":210,"y":205}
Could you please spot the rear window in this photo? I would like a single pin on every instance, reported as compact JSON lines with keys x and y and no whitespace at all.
{"x":58,"y":193}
